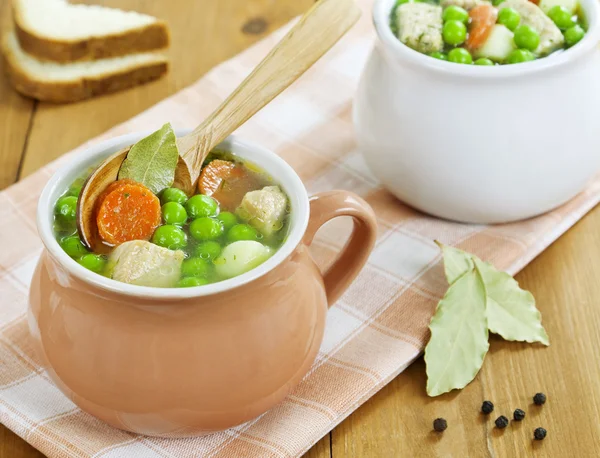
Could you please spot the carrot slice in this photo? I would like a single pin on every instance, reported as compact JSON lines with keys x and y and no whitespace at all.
{"x":213,"y":175}
{"x":226,"y":182}
{"x":483,"y":18}
{"x":113,"y":187}
{"x":128,"y":211}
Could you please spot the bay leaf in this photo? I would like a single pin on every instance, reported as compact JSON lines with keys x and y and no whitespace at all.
{"x":456,"y":262}
{"x":152,"y":160}
{"x":459,"y":335}
{"x":511,"y":311}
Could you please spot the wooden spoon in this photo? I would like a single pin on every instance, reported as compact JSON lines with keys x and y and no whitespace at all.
{"x":314,"y":34}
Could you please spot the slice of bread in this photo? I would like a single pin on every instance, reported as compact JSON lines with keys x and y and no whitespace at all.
{"x":58,"y":31}
{"x":54,"y":82}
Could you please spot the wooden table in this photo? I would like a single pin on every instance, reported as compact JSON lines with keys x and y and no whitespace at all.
{"x":396,"y":422}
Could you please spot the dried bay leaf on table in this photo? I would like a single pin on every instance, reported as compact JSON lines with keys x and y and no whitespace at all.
{"x":456,"y":262}
{"x":511,"y":311}
{"x":479,"y":299}
{"x":459,"y":335}
{"x":152,"y":160}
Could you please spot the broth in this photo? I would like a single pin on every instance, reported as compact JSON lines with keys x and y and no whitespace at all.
{"x":236,"y":220}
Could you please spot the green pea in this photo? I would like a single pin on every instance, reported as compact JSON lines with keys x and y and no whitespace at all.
{"x":93,"y":262}
{"x":173,"y":195}
{"x":66,"y":208}
{"x":208,"y":250}
{"x":439,"y":55}
{"x":73,"y":246}
{"x":573,"y":35}
{"x":174,"y":213}
{"x":454,"y":33}
{"x":228,"y":220}
{"x":74,"y":190}
{"x":242,"y":232}
{"x":520,"y":55}
{"x":62,"y":229}
{"x":509,"y":17}
{"x":561,"y":16}
{"x":189,"y":282}
{"x":401,"y":2}
{"x":455,"y":13}
{"x":483,"y":61}
{"x":169,"y":236}
{"x":206,"y":228}
{"x":199,"y":206}
{"x":460,"y":56}
{"x":195,"y":267}
{"x":526,"y":38}
{"x":497,"y":2}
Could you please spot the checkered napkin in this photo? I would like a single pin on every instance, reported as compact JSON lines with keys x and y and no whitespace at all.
{"x":375,"y":330}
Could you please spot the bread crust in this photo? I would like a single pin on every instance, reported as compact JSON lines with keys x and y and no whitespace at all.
{"x":84,"y":88}
{"x":152,"y":37}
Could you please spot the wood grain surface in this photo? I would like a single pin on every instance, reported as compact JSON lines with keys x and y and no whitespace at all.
{"x":397,"y":421}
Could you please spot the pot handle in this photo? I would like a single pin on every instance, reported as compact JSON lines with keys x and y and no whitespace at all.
{"x":328,"y":205}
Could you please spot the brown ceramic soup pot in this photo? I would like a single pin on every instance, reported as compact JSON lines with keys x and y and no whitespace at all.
{"x":190,"y":361}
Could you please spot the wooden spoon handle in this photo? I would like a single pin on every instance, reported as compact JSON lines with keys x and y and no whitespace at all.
{"x":314,"y":34}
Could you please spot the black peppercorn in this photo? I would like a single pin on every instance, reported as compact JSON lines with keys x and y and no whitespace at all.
{"x":518,"y":415}
{"x":440,"y":424}
{"x":487,"y":407}
{"x":539,"y":434}
{"x":501,"y":422}
{"x":539,"y":399}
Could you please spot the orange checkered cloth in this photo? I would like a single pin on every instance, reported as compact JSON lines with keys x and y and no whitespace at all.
{"x":373,"y":333}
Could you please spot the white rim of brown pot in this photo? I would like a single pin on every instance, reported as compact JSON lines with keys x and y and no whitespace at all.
{"x":281,"y":171}
{"x":381,"y":18}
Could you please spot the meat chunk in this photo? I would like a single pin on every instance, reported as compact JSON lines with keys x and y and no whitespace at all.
{"x":466,"y":4}
{"x":551,"y":38}
{"x":420,"y":26}
{"x":264,"y":209}
{"x":142,"y":263}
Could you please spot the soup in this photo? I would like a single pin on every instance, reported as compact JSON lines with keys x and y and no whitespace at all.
{"x":485,"y":33}
{"x":236,"y":220}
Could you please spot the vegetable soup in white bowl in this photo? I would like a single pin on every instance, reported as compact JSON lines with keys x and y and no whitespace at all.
{"x":481,"y":143}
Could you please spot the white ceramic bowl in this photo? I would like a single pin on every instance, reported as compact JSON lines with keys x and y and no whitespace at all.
{"x":480,"y":144}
